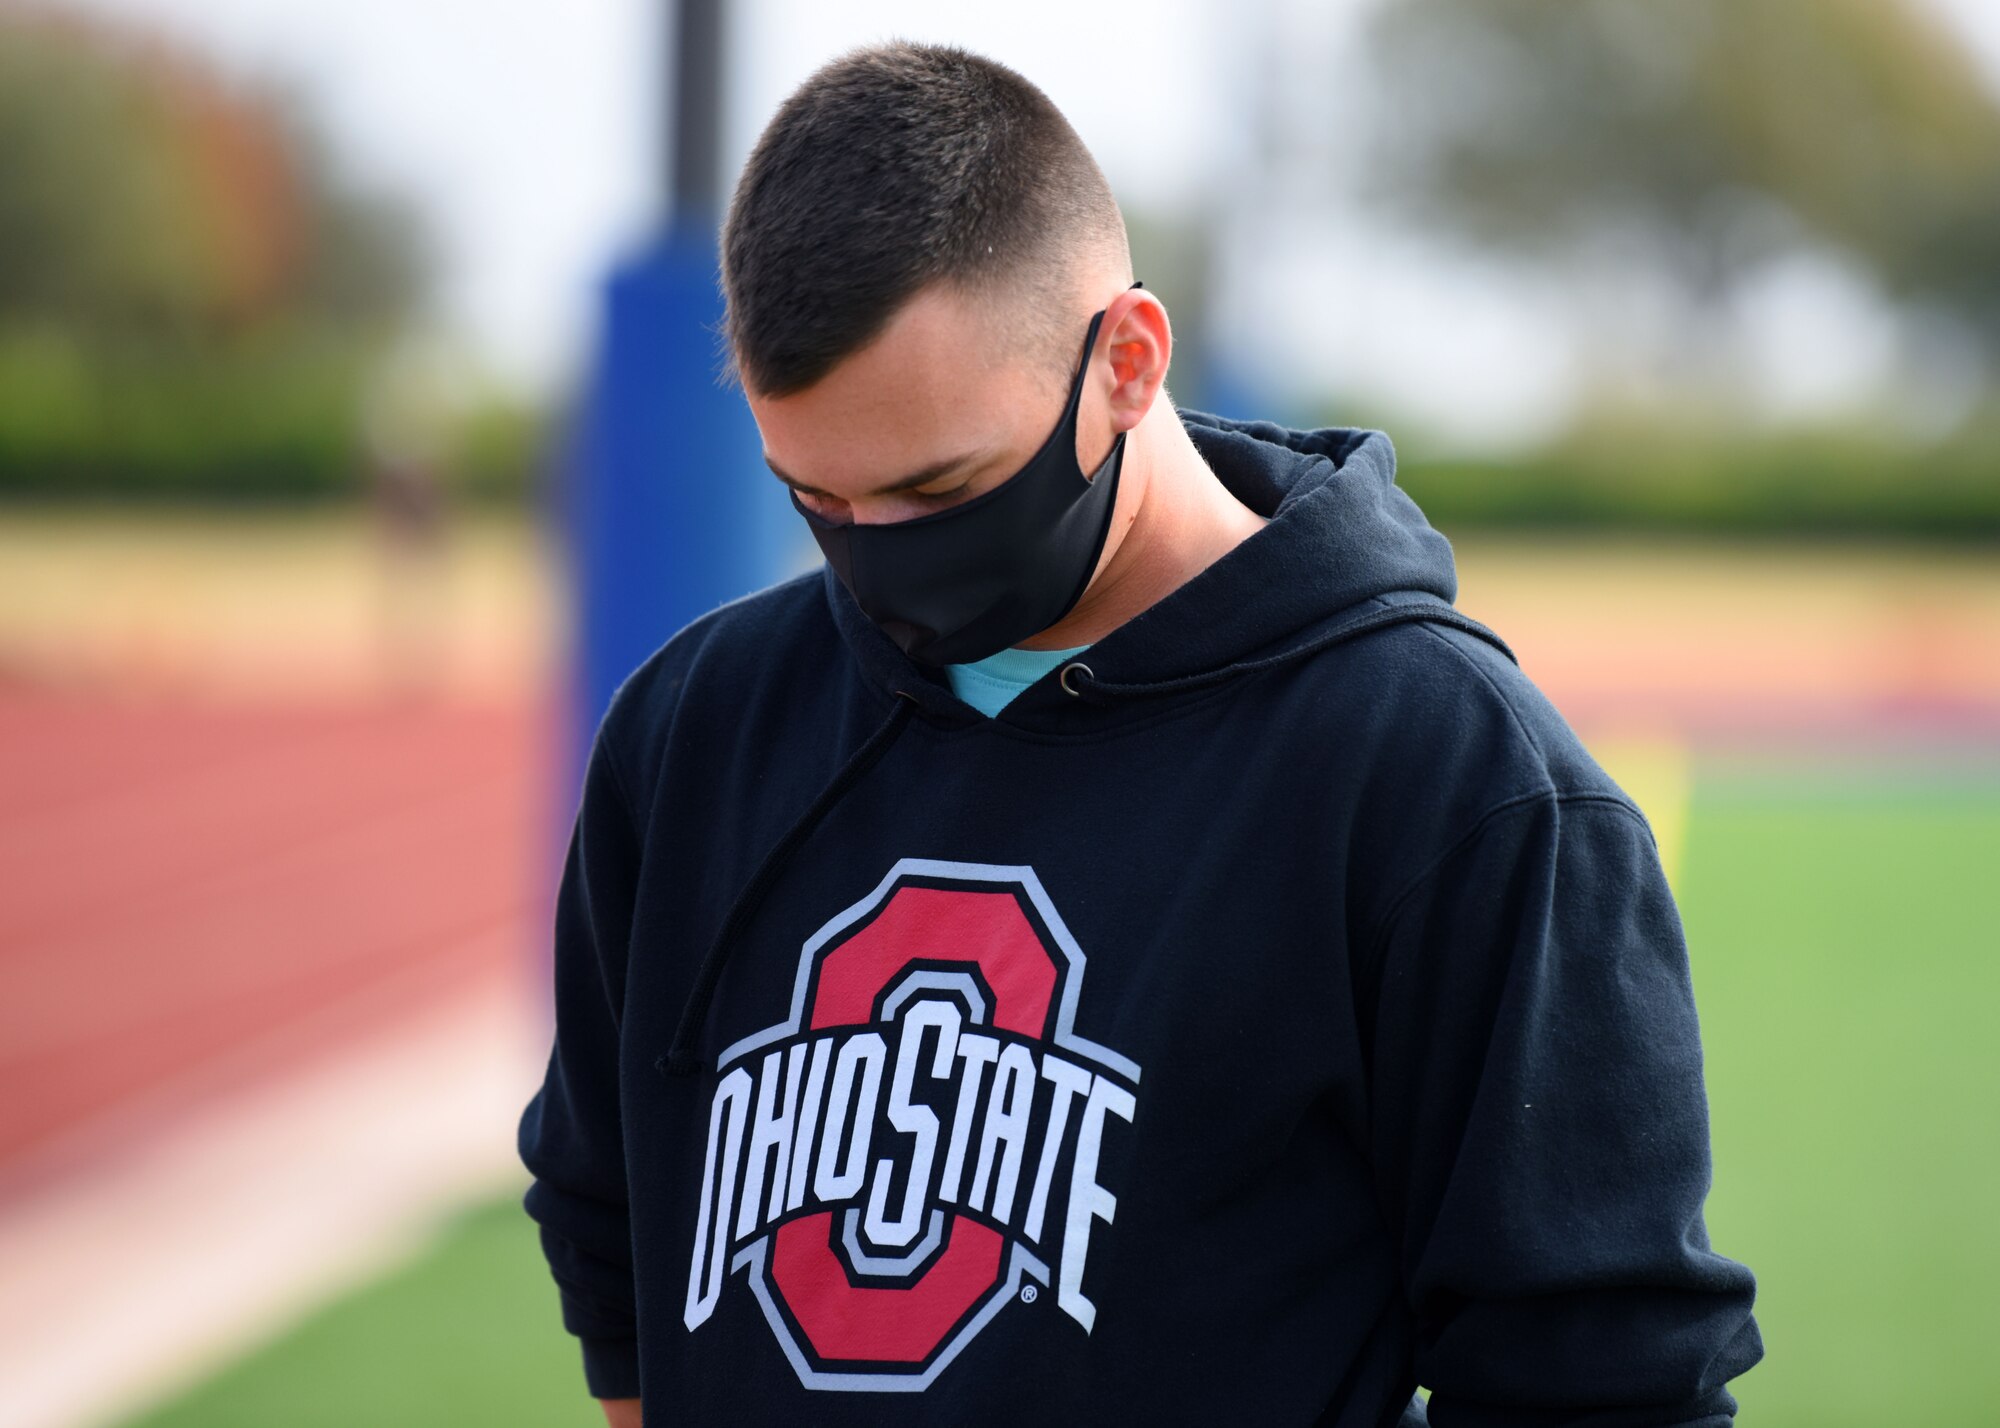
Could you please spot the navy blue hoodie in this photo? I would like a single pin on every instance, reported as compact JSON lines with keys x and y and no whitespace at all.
{"x":1276,"y":1011}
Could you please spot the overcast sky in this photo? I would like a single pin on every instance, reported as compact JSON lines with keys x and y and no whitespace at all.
{"x":526,"y":128}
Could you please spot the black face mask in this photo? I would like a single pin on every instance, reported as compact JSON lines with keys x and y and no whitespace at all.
{"x":973,"y":579}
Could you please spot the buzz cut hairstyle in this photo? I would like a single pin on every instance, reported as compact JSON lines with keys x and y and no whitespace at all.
{"x":894,"y":167}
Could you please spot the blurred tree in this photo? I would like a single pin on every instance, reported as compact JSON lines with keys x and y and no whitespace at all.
{"x":193,"y":290}
{"x":1708,"y":135}
{"x":142,"y":197}
{"x":97,"y":226}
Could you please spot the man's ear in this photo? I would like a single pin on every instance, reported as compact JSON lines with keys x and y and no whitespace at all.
{"x":1140,"y":345}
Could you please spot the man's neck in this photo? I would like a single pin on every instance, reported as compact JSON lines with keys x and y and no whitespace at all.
{"x":1183,"y":521}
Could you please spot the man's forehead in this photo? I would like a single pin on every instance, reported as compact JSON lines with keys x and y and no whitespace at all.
{"x":937,"y":331}
{"x":929,"y":396}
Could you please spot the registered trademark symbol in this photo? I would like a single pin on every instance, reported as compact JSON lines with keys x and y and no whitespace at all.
{"x":1028,"y":1293}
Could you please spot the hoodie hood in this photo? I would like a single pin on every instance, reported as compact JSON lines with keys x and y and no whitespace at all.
{"x":1341,"y":534}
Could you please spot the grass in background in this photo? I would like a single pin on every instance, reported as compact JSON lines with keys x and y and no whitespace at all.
{"x":470,"y":1333}
{"x":1842,"y":930}
{"x":1698,"y":474}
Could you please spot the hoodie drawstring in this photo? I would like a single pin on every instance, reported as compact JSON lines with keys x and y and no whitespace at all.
{"x":1085,"y":683}
{"x":681,"y":1059}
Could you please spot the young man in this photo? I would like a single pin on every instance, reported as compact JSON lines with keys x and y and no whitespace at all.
{"x":1114,"y":944}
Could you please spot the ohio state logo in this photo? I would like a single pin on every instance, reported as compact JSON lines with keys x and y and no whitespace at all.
{"x":917,"y":1145}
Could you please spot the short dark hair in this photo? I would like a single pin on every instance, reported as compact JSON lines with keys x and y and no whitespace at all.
{"x":893,"y":167}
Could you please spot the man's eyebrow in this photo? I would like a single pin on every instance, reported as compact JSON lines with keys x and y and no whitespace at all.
{"x":915,"y":478}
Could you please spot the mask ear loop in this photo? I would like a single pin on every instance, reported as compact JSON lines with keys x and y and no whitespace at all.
{"x":1076,"y":389}
{"x":1076,"y":377}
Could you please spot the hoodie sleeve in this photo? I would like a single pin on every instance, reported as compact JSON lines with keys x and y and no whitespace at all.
{"x":569,"y":1134}
{"x":1540,"y":1131}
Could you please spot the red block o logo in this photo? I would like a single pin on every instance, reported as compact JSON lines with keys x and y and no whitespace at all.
{"x":930,"y":1064}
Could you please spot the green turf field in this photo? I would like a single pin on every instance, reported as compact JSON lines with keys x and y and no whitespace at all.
{"x":1843,"y":930}
{"x":1841,"y":921}
{"x":466,"y":1335}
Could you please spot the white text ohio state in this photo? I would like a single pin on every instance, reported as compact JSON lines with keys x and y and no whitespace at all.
{"x":893,"y":1123}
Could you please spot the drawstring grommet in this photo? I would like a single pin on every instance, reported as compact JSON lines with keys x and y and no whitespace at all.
{"x":1063,"y":678}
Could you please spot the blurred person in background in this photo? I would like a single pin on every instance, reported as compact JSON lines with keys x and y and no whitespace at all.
{"x":1386,"y":1069}
{"x":406,"y":429}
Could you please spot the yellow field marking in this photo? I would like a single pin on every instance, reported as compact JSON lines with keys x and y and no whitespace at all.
{"x":1653,"y":768}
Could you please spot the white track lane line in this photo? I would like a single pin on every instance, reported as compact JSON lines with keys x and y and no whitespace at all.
{"x":128,"y":1283}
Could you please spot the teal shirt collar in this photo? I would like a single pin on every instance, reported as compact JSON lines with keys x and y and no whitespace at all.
{"x":988,"y":684}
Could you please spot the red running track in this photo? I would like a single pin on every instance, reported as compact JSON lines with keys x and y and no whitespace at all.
{"x":194,"y":896}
